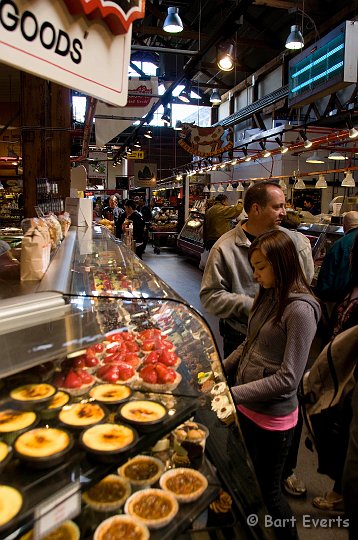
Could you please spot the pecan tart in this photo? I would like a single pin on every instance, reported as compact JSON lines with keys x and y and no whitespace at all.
{"x":154,"y":507}
{"x":109,"y":494}
{"x":121,"y":528}
{"x":187,"y":485}
{"x":142,"y":470}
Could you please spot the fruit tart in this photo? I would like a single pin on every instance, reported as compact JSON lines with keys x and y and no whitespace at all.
{"x":113,"y":373}
{"x":121,"y":528}
{"x":109,"y":494}
{"x":154,"y":507}
{"x":159,"y":378}
{"x":76,"y":382}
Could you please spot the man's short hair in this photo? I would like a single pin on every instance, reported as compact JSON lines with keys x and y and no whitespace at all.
{"x":130,"y":203}
{"x":258,"y":194}
{"x":350,"y":220}
{"x":221,"y":198}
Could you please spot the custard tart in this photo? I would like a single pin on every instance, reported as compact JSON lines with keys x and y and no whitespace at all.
{"x":143,"y":413}
{"x":13,"y":422}
{"x":110,"y":394}
{"x":43,"y":446}
{"x":33,"y":395}
{"x":10,"y":503}
{"x":82,"y":415}
{"x":108,"y":438}
{"x":68,"y":530}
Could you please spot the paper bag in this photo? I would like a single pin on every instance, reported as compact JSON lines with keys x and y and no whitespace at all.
{"x":35,"y":254}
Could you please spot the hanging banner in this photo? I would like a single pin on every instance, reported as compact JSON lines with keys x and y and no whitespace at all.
{"x":97,"y":167}
{"x":81,"y":44}
{"x":205,"y":141}
{"x":145,"y":174}
{"x":137,"y":106}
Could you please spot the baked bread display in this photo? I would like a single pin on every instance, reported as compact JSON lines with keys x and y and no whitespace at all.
{"x":142,"y":470}
{"x":13,"y":422}
{"x":10,"y":503}
{"x":110,"y":393}
{"x":33,"y":395}
{"x":121,"y":528}
{"x":68,"y":530}
{"x":143,"y":413}
{"x":187,"y":485}
{"x":44,"y":446}
{"x":108,"y":438}
{"x":154,"y":507}
{"x":80,"y":415}
{"x":109,"y":494}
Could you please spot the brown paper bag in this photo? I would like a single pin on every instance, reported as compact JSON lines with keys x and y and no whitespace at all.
{"x":35,"y":253}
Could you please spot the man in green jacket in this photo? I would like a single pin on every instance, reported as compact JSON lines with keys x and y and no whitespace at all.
{"x":218,"y":219}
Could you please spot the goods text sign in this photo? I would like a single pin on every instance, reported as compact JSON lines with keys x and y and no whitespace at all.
{"x":73,"y":49}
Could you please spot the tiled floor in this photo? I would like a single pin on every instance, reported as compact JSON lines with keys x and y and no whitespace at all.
{"x":184,"y":276}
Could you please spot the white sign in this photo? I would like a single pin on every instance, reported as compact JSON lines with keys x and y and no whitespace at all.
{"x":45,"y":39}
{"x":65,"y":504}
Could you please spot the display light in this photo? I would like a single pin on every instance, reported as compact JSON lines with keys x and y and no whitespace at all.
{"x":215,"y":97}
{"x":226,"y":56}
{"x":212,"y":189}
{"x":282,"y":146}
{"x":314,"y":158}
{"x":337,"y":156}
{"x":173,"y":23}
{"x":321,"y":182}
{"x":240,"y":187}
{"x":307,"y":142}
{"x":148,"y":134}
{"x":295,"y":39}
{"x":348,"y":181}
{"x":247,"y":157}
{"x":185,"y":94}
{"x":266,"y":153}
{"x":229,"y":187}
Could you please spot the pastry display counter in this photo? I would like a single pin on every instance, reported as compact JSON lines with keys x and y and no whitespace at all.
{"x":114,"y":365}
{"x":190,"y":239}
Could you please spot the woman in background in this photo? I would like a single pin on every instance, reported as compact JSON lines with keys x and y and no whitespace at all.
{"x":269,"y":366}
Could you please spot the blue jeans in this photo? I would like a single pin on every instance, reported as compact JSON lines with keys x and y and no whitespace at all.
{"x":268,"y":451}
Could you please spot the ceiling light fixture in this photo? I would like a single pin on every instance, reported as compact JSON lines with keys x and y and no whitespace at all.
{"x":166,"y":114}
{"x":173,"y":23}
{"x":178,"y":125}
{"x":337,"y":156}
{"x":137,"y":143}
{"x":226,"y":56}
{"x":220,"y":188}
{"x":215,"y":97}
{"x":206,"y":189}
{"x":314,"y":158}
{"x":266,"y":153}
{"x":307,"y":142}
{"x":229,"y":187}
{"x":247,"y":157}
{"x":212,"y":189}
{"x":295,"y":39}
{"x":321,"y":182}
{"x":240,"y":187}
{"x":148,"y":134}
{"x":299,"y":184}
{"x":282,"y":146}
{"x":185,"y":94}
{"x":353,"y":132}
{"x":348,"y":180}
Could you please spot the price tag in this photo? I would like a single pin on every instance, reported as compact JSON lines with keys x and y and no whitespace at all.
{"x":66,"y":504}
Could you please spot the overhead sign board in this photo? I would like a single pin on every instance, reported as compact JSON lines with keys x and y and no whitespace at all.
{"x":325,"y":67}
{"x":136,"y":154}
{"x":81,"y":44}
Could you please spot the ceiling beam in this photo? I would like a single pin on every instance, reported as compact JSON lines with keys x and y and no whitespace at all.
{"x":279,"y":4}
{"x":157,"y":31}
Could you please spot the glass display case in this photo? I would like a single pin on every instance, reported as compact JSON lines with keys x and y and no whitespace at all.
{"x":190,"y":239}
{"x":127,"y":354}
{"x":321,"y":237}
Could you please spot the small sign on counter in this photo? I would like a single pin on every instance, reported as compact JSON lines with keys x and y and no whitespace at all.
{"x":66,"y":504}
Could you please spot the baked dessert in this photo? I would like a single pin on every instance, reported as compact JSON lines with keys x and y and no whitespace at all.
{"x":68,"y":530}
{"x":33,"y":395}
{"x":59,"y":400}
{"x":189,"y":443}
{"x":143,"y":412}
{"x":75,"y":381}
{"x":142,"y":470}
{"x":5,"y":454}
{"x":121,"y":528}
{"x":110,"y":393}
{"x":13,"y":422}
{"x":108,"y":438}
{"x":80,"y":415}
{"x":43,"y":445}
{"x":10,"y":503}
{"x":157,"y":377}
{"x":187,"y":485}
{"x":109,"y":494}
{"x":154,"y":507}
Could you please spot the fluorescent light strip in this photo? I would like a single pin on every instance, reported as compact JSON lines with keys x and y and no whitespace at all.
{"x":318,"y":61}
{"x":319,"y":76}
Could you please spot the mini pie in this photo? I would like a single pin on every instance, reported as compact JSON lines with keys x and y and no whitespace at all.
{"x":110,"y":393}
{"x":187,"y":485}
{"x":68,"y":530}
{"x":109,"y":494}
{"x":121,"y":528}
{"x":12,"y":420}
{"x":142,"y":470}
{"x":108,"y":438}
{"x":143,"y":411}
{"x":60,"y":399}
{"x":4,"y":451}
{"x":42,"y":442}
{"x":33,"y":392}
{"x":154,"y":507}
{"x":10,"y":503}
{"x":81,"y":414}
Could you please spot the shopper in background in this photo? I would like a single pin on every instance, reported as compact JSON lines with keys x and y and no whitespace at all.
{"x":113,"y":213}
{"x":133,"y":216}
{"x":270,"y":363}
{"x":335,"y":274}
{"x":309,"y":206}
{"x":146,"y":213}
{"x":218,"y":219}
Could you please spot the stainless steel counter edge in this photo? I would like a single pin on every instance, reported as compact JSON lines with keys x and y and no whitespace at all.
{"x":58,"y":275}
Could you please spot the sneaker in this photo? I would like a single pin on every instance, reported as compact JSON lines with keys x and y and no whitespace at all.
{"x":293,"y":486}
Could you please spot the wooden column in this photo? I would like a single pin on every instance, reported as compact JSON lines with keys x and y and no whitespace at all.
{"x":46,"y":144}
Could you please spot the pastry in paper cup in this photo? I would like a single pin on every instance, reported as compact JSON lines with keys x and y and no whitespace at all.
{"x":142,"y":470}
{"x":155,"y":508}
{"x":121,"y":528}
{"x":187,"y":485}
{"x":109,"y":494}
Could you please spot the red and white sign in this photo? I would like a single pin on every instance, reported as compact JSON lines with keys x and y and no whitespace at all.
{"x":139,"y":103}
{"x":82,"y":50}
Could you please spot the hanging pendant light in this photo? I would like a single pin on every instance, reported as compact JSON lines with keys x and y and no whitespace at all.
{"x":266,"y":153}
{"x":247,"y":157}
{"x":206,"y":189}
{"x":229,"y":187}
{"x":178,"y":125}
{"x":215,"y":97}
{"x":148,"y":134}
{"x":240,"y":187}
{"x":299,"y":184}
{"x":321,"y":182}
{"x":295,"y":39}
{"x":185,"y":94}
{"x":226,"y":56}
{"x":251,"y":184}
{"x":221,"y":188}
{"x":173,"y":23}
{"x":348,"y":181}
{"x":282,"y":184}
{"x":212,"y":189}
{"x":337,"y":156}
{"x":314,"y":158}
{"x":307,"y":142}
{"x":282,"y":146}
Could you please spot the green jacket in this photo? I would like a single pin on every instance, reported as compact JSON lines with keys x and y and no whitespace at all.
{"x":218,"y":220}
